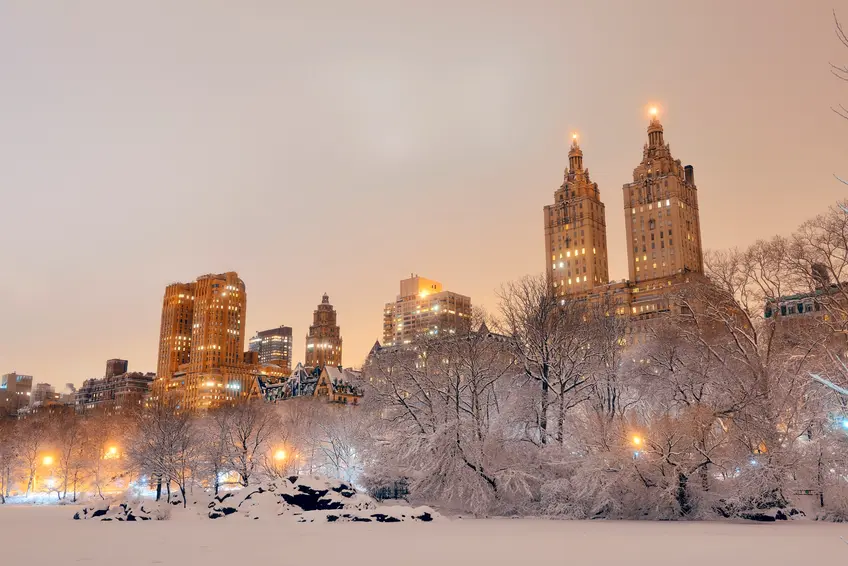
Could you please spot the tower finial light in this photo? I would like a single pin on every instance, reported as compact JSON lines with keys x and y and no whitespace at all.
{"x":653,"y":111}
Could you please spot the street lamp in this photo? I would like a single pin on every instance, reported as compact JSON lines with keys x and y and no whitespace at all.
{"x":280,"y":455}
{"x":47,"y":460}
{"x":637,"y":440}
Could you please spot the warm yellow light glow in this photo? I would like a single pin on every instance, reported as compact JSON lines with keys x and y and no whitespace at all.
{"x":113,"y":450}
{"x":574,"y":136}
{"x":637,"y":440}
{"x":48,"y":460}
{"x":423,"y":294}
{"x":280,"y":455}
{"x":653,"y":111}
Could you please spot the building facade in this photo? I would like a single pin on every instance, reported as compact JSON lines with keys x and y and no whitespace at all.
{"x":324,"y":340}
{"x":424,"y":308}
{"x":116,"y":367}
{"x":114,"y":393}
{"x":663,"y":234}
{"x":15,"y":391}
{"x":201,"y":343}
{"x":661,"y":214}
{"x":274,"y":346}
{"x":43,"y":393}
{"x":576,"y":231}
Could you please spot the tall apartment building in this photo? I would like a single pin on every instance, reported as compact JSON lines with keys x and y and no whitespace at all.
{"x":324,"y":340}
{"x":424,"y":308}
{"x":15,"y":391}
{"x":201,"y":343}
{"x":576,"y":231}
{"x":116,"y":367}
{"x":662,"y":229}
{"x":661,"y":213}
{"x":274,"y":346}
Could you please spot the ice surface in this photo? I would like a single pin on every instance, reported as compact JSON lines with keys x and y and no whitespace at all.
{"x":188,"y":539}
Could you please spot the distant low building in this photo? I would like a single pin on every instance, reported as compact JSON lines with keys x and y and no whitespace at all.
{"x":331,"y":384}
{"x":15,"y":391}
{"x":115,"y":393}
{"x":43,"y":393}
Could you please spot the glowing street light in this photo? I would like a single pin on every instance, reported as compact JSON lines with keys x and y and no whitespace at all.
{"x":47,"y":461}
{"x":637,"y":440}
{"x":280,"y":455}
{"x":111,"y":452}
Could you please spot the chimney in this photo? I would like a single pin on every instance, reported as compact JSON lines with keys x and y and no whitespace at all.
{"x":689,"y":174}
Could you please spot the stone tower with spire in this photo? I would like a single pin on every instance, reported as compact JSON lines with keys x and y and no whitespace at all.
{"x":576,"y":231}
{"x":663,"y":228}
{"x":324,"y":341}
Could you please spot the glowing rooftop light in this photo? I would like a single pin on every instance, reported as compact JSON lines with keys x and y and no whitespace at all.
{"x":653,"y":111}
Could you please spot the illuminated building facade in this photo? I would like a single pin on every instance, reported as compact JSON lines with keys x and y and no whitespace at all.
{"x":424,"y":308}
{"x":201,"y":344}
{"x":15,"y":391}
{"x":663,"y":233}
{"x":576,"y":231}
{"x":324,"y":341}
{"x":661,"y":214}
{"x":274,"y":346}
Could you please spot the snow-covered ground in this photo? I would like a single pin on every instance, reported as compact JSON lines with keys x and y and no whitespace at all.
{"x":46,"y":535}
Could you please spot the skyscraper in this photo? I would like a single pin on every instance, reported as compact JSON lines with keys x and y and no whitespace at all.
{"x":576,"y":231}
{"x":424,"y":308}
{"x":324,"y":341}
{"x":175,"y":328}
{"x":661,"y":213}
{"x":201,"y":343}
{"x":274,"y":346}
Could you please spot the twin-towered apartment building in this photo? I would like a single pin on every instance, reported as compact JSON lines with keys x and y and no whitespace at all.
{"x":663,"y":231}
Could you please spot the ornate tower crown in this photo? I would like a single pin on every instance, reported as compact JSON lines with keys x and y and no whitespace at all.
{"x":655,"y":130}
{"x":575,"y":156}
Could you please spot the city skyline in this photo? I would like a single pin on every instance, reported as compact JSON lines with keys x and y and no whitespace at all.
{"x":374,"y":169}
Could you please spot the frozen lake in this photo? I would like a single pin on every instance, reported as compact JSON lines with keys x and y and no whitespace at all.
{"x":47,"y":535}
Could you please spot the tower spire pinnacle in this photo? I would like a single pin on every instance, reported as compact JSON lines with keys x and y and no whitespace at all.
{"x":575,"y":155}
{"x":655,"y":129}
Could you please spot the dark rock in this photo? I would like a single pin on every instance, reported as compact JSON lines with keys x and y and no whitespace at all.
{"x":381,"y":518}
{"x":780,"y":516}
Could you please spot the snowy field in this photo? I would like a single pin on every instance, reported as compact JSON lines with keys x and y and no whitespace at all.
{"x":46,"y":535}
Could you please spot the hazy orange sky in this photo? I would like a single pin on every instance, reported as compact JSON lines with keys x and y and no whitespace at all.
{"x":339,"y":145}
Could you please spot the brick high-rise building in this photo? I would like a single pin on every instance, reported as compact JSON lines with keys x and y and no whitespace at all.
{"x":424,"y":308}
{"x":576,"y":231}
{"x":324,"y":341}
{"x":274,"y":346}
{"x":201,"y":343}
{"x":661,"y":213}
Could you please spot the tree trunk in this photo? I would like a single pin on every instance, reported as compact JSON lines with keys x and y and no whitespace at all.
{"x":158,"y":488}
{"x":543,"y":415}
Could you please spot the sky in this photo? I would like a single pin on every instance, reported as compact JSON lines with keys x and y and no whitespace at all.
{"x":338,"y":146}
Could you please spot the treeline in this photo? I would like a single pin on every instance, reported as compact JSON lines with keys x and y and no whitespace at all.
{"x":710,"y":410}
{"x":159,"y":450}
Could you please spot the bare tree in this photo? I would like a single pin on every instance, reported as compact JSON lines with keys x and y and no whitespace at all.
{"x":166,"y":445}
{"x":552,"y":342}
{"x":251,"y":426}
